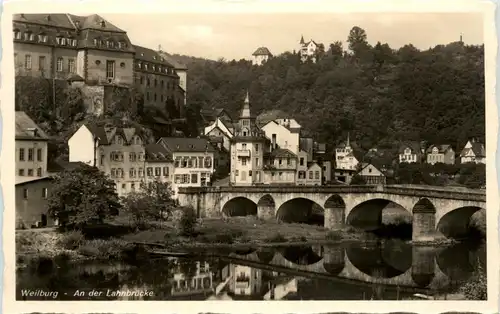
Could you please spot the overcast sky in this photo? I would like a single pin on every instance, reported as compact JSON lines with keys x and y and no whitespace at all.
{"x":236,"y":36}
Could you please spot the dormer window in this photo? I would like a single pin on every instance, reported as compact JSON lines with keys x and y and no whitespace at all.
{"x":146,"y":66}
{"x":26,"y":36}
{"x":154,"y":68}
{"x":73,"y":42}
{"x":139,"y":64}
{"x":103,"y":23}
{"x":42,"y":38}
{"x":96,"y":41}
{"x":142,"y":54}
{"x":166,"y":70}
{"x":154,"y":57}
{"x":107,"y":43}
{"x":17,"y":34}
{"x":58,"y":40}
{"x":32,"y":37}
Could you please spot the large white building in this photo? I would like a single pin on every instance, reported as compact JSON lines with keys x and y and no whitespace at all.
{"x":344,"y":156}
{"x":308,"y":50}
{"x":247,"y":149}
{"x":473,"y":152}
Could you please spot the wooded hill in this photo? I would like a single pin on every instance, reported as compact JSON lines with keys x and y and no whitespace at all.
{"x":382,"y":96}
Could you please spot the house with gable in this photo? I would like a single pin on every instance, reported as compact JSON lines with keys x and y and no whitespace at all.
{"x":410,"y":152}
{"x":31,"y":147}
{"x":159,"y":164}
{"x":283,"y":133}
{"x":222,"y":129}
{"x":440,"y":154}
{"x":473,"y":151}
{"x":117,"y":151}
{"x":308,"y":50}
{"x":372,"y":174}
{"x":261,"y":55}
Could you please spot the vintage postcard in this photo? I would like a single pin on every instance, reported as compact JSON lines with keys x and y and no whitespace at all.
{"x":261,"y":152}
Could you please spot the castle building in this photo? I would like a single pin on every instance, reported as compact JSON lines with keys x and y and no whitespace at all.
{"x":247,"y":149}
{"x":92,"y":50}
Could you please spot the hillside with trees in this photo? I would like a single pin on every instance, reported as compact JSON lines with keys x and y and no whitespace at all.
{"x":380,"y":95}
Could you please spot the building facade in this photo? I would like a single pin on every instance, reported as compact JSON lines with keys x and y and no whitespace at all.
{"x":118,"y":152}
{"x":283,"y":133}
{"x":247,"y":149}
{"x":193,"y":161}
{"x":159,"y":164}
{"x":31,"y":202}
{"x":344,"y":157}
{"x":31,"y":147}
{"x":473,"y":152}
{"x":410,"y":153}
{"x":92,"y":50}
{"x":308,"y":50}
{"x":371,"y":174}
{"x":440,"y":154}
{"x":260,"y":56}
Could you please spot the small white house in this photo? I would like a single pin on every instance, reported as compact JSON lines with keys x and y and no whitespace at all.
{"x":82,"y":146}
{"x":261,"y":55}
{"x":473,"y":152}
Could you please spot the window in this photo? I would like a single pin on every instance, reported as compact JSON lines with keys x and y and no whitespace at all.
{"x":301,"y":161}
{"x":30,"y":154}
{"x":154,"y":97}
{"x":200,"y":162}
{"x":243,"y":161}
{"x":71,"y":66}
{"x":44,"y":192}
{"x":165,"y":171}
{"x":73,"y":42}
{"x":41,"y":63}
{"x":27,"y":62}
{"x":244,"y":146}
{"x":132,"y":186}
{"x":184,"y":162}
{"x":149,"y":171}
{"x":30,"y":172}
{"x":178,"y":161}
{"x":131,"y":173}
{"x":122,"y":65}
{"x":25,"y":194}
{"x":113,"y":172}
{"x":17,"y":34}
{"x":157,"y":171}
{"x":21,"y":172}
{"x":316,"y":175}
{"x":96,"y":42}
{"x":250,"y":173}
{"x":32,"y":37}
{"x":369,"y":170}
{"x":58,"y":40}
{"x":59,"y":64}
{"x":63,"y":41}
{"x":257,"y":161}
{"x":21,"y":154}
{"x":280,"y":160}
{"x":190,"y":163}
{"x":141,"y":172}
{"x":236,"y":172}
{"x":185,"y":178}
{"x":310,"y":174}
{"x":39,"y":172}
{"x":132,"y":157}
{"x":256,"y":147}
{"x":194,"y":178}
{"x":26,"y":36}
{"x":288,"y":161}
{"x":110,"y":68}
{"x":177,"y":178}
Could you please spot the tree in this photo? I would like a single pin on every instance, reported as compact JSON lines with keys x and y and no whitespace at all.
{"x":81,"y":196}
{"x":358,"y":180}
{"x":357,"y":41}
{"x":153,"y":201}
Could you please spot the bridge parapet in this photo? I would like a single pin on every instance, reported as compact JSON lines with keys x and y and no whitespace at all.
{"x":417,"y":191}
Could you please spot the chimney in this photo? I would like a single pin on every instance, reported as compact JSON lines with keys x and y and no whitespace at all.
{"x":32,"y":131}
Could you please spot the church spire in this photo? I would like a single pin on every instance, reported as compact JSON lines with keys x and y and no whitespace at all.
{"x":302,"y":39}
{"x":347,"y":144}
{"x":245,"y":112}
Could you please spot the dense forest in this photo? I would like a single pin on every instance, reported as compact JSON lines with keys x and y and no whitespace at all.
{"x":380,"y":95}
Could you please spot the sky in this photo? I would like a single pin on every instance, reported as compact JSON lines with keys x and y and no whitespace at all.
{"x":238,"y":35}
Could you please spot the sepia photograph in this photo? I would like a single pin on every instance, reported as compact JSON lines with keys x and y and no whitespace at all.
{"x":250,"y":156}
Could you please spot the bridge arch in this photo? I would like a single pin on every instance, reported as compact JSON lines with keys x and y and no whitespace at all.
{"x":367,"y":215}
{"x":266,"y":207}
{"x":334,"y":209}
{"x":300,"y":210}
{"x":265,"y":255}
{"x":239,"y":206}
{"x":302,"y":255}
{"x":456,"y":223}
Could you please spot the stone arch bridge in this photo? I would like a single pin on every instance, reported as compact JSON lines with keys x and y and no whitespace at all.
{"x":446,"y":210}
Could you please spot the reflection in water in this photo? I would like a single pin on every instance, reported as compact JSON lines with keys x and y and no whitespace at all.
{"x":387,"y":270}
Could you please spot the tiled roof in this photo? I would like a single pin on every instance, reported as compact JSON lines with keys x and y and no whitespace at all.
{"x":95,"y":22}
{"x":186,"y":144}
{"x":177,"y":65}
{"x":441,"y":148}
{"x":149,"y":55}
{"x":25,"y":180}
{"x":105,"y":134}
{"x":282,"y":153}
{"x":27,"y":129}
{"x":60,"y":20}
{"x":262,"y":51}
{"x":157,"y":152}
{"x":414,"y":146}
{"x":58,"y":166}
{"x":477,"y":148}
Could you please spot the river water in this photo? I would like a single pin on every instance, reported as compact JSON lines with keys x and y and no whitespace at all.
{"x":386,"y":270}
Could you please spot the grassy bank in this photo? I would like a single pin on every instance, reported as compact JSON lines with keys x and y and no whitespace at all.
{"x":115,"y":239}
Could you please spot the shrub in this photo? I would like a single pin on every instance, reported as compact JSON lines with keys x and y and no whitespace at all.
{"x":185,"y":220}
{"x":476,"y":288}
{"x":278,"y":238}
{"x":334,"y":235}
{"x":71,"y":240}
{"x":103,"y":249}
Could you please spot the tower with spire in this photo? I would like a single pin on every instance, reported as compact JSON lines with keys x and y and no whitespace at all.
{"x":307,"y":50}
{"x":344,"y":156}
{"x":247,"y":148}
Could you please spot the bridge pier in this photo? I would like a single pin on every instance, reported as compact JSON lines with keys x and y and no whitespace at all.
{"x":423,"y":265}
{"x":334,"y":218}
{"x":424,"y":221}
{"x":265,"y":212}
